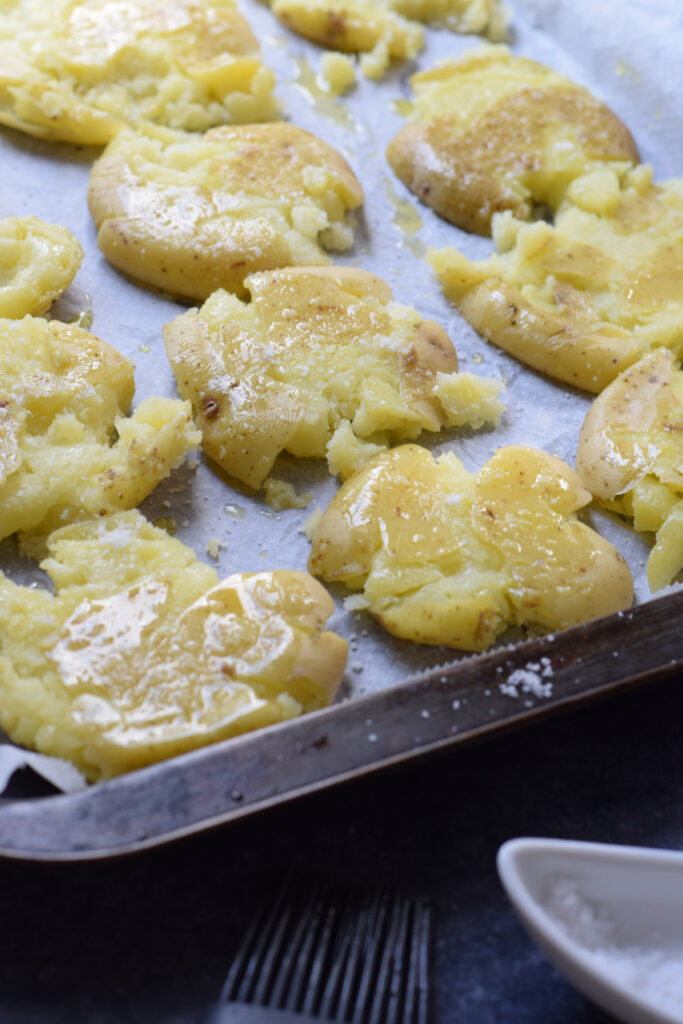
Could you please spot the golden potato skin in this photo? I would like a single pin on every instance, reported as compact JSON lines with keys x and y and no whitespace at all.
{"x":584,"y":298}
{"x":80,"y":70}
{"x":189,"y":215}
{"x":355,"y":26}
{"x":575,"y":350}
{"x":446,"y":557}
{"x":630,"y":455}
{"x":141,"y":653}
{"x":352,"y":26}
{"x":67,"y":448}
{"x":485,"y":138}
{"x":319,"y":361}
{"x":38,"y":261}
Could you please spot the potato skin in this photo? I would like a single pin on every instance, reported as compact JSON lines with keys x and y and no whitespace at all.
{"x":39,"y":261}
{"x":320,"y":363}
{"x":557,"y":344}
{"x":639,"y":401}
{"x":67,"y":448}
{"x":498,"y":158}
{"x":162,"y":204}
{"x":630,"y":455}
{"x":79,"y":72}
{"x":446,"y":557}
{"x":351,"y":26}
{"x":140,"y":653}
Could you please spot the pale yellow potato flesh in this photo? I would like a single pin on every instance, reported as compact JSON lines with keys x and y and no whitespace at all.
{"x":442,"y":556}
{"x":38,"y":261}
{"x":79,"y":70}
{"x":359,"y":26}
{"x":319,"y":358}
{"x":190,"y":214}
{"x":141,"y":653}
{"x":492,"y":132}
{"x":68,"y":449}
{"x":583,"y":299}
{"x":630,"y":456}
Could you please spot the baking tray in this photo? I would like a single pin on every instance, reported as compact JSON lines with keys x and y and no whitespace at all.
{"x":482,"y":696}
{"x":399,"y":701}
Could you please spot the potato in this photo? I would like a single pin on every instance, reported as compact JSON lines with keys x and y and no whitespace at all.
{"x":320,"y":360}
{"x":79,"y":70}
{"x":584,"y":299}
{"x":443,"y":556}
{"x":385,"y":28}
{"x":486,"y":17}
{"x":189,"y":214}
{"x":350,"y":25}
{"x":492,"y":132}
{"x":38,"y":261}
{"x":630,"y":455}
{"x":142,"y":653}
{"x":67,"y":448}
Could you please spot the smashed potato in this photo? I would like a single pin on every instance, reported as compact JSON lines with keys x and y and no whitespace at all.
{"x":585,"y":298}
{"x":79,"y":70}
{"x":446,"y":557}
{"x":141,"y":653}
{"x":484,"y":17}
{"x":38,"y":261}
{"x":189,"y":215}
{"x":630,"y":456}
{"x":386,"y":27}
{"x":67,"y":448}
{"x":352,"y":26}
{"x":318,"y":358}
{"x":493,"y":132}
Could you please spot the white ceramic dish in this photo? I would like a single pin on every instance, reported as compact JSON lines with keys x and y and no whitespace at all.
{"x":610,"y":918}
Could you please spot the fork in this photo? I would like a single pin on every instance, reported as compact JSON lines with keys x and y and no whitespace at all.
{"x":321,"y":955}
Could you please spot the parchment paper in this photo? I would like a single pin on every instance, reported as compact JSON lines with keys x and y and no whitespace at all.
{"x":627,"y":53}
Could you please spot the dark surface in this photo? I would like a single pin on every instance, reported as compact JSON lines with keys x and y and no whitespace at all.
{"x":147,"y":939}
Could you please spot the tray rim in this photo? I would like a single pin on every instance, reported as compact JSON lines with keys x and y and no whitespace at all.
{"x":189,"y":793}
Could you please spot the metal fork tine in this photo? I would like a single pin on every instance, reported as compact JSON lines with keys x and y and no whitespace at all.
{"x":376,"y":940}
{"x":390,"y":959}
{"x":423,"y":994}
{"x":335,"y":959}
{"x":416,"y":1001}
{"x":311,"y":925}
{"x":246,"y":963}
{"x":330,"y":994}
{"x":289,"y":963}
{"x":321,"y":960}
{"x":270,"y":974}
{"x":346,"y":982}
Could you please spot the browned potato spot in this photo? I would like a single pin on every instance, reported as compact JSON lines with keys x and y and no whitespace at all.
{"x":321,"y":361}
{"x":446,"y":557}
{"x":493,"y":132}
{"x":189,"y":215}
{"x":630,"y":456}
{"x":142,"y":653}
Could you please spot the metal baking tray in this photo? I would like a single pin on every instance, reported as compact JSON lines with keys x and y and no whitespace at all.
{"x":399,"y":701}
{"x":481,"y":696}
